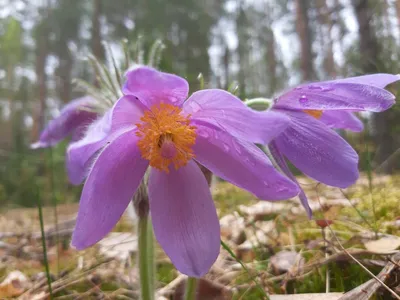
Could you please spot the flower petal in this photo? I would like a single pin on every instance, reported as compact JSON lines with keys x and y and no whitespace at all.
{"x":126,"y":112}
{"x":113,"y":180}
{"x":184,"y":218}
{"x":72,"y":117}
{"x":357,"y":93}
{"x":318,"y":151}
{"x":81,"y":154}
{"x":227,"y":112}
{"x":380,"y":80}
{"x":242,"y":163}
{"x":151,"y":86}
{"x":342,"y":120}
{"x":280,"y":160}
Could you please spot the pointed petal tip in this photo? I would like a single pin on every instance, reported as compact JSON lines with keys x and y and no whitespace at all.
{"x":185,"y":220}
{"x":38,"y":145}
{"x":78,"y":244}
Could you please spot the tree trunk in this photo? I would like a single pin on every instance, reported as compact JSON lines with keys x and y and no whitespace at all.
{"x":326,"y":23}
{"x":271,"y":63}
{"x":97,"y":47}
{"x":226,"y":62}
{"x":40,"y":68}
{"x":304,"y":33}
{"x":397,"y":3}
{"x":369,"y":50}
{"x":241,"y":28}
{"x":64,"y":74}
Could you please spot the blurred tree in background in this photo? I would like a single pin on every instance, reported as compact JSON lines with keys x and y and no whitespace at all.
{"x":265,"y":46}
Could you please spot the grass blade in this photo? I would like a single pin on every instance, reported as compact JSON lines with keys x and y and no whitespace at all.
{"x":45,"y":261}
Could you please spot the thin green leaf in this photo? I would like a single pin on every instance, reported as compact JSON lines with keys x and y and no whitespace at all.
{"x":45,"y":261}
{"x":226,"y":247}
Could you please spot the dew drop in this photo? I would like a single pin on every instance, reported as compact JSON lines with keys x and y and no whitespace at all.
{"x":195,"y":106}
{"x":303,"y":99}
{"x":266,"y":184}
{"x":237,"y":148}
{"x":314,"y":87}
{"x":250,"y":161}
{"x":281,"y":188}
{"x":327,"y":89}
{"x":226,"y":147}
{"x":204,"y":134}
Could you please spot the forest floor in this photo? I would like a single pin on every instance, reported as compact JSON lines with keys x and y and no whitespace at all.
{"x":270,"y":248}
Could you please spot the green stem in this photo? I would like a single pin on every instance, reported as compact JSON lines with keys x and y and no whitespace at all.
{"x":258,"y":103}
{"x":54,"y":201}
{"x":191,"y":285}
{"x":45,"y":261}
{"x":146,"y":258}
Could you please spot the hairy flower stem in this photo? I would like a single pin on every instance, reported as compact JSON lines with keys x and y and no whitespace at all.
{"x":145,"y":243}
{"x":258,"y":103}
{"x":191,"y":285}
{"x":146,"y":258}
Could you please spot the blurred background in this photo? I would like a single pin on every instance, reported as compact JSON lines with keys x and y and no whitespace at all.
{"x":266,"y":46}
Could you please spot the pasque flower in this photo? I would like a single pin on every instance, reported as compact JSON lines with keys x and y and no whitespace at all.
{"x":310,"y":144}
{"x":72,"y":121}
{"x":153,"y":125}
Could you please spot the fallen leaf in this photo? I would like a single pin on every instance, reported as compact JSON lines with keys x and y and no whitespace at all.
{"x":383,"y":245}
{"x":327,"y":296}
{"x":13,"y":285}
{"x":118,"y":245}
{"x":206,"y":290}
{"x":285,"y":260}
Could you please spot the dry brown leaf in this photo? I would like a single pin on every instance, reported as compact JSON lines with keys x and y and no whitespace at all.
{"x":328,"y":296}
{"x":13,"y":285}
{"x":118,"y":245}
{"x":206,"y":290}
{"x":284,"y":261}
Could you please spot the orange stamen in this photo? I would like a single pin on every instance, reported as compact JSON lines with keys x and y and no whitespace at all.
{"x":314,"y":113}
{"x":166,"y":137}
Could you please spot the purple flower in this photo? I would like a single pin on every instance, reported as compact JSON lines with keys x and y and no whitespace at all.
{"x":73,"y":119}
{"x":310,"y":144}
{"x":153,"y":125}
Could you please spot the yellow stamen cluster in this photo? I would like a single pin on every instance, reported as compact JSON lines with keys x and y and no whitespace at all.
{"x":164,"y":125}
{"x":314,"y":113}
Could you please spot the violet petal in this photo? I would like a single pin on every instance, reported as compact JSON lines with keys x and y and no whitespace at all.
{"x":318,"y":151}
{"x":340,"y":119}
{"x":227,"y":112}
{"x":241,"y":163}
{"x":280,"y":160}
{"x":184,"y":218}
{"x":113,"y":180}
{"x":152,"y":87}
{"x":357,"y":93}
{"x":72,"y":118}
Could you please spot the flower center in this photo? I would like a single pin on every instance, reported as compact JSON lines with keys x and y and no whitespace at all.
{"x":166,"y":137}
{"x":314,"y":113}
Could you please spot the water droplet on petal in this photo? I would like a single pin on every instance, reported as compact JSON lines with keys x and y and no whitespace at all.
{"x":314,"y":87}
{"x":327,"y":89}
{"x":281,"y":188}
{"x":195,"y":106}
{"x":226,"y":147}
{"x":266,"y":184}
{"x":250,"y":161}
{"x":303,"y":99}
{"x":204,"y":134}
{"x":237,"y":148}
